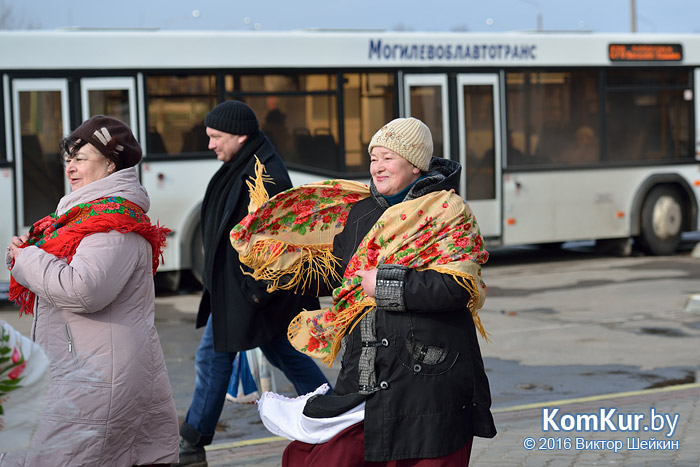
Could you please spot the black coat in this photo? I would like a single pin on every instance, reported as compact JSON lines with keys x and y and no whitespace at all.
{"x":420,"y":409}
{"x":244,"y":315}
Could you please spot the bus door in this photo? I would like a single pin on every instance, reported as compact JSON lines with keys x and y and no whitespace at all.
{"x":114,"y":97}
{"x":480,"y":148}
{"x":40,"y":121}
{"x":477,"y":102}
{"x":425,"y":98}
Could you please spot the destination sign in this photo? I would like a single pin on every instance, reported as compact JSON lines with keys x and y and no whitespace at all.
{"x":645,"y":52}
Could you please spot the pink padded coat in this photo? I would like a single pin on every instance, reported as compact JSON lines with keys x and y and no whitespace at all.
{"x":109,"y":400}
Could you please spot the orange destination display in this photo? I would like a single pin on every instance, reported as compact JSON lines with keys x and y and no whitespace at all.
{"x":645,"y":52}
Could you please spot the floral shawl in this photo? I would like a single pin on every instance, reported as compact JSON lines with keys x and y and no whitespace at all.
{"x":61,"y":235}
{"x":288,"y":240}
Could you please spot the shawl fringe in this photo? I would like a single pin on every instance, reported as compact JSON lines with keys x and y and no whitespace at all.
{"x":314,"y":263}
{"x":256,"y":186}
{"x":467,"y":281}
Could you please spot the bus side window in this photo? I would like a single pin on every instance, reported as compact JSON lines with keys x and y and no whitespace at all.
{"x":584,"y":149}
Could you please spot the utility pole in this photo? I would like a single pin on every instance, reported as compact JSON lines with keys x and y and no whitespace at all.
{"x":633,"y":16}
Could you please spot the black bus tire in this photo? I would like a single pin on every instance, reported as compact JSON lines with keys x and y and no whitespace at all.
{"x":661,"y":221}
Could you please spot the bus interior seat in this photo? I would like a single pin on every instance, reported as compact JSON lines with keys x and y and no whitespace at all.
{"x":325,"y":148}
{"x":303,"y":144}
{"x":155,"y":142}
{"x":195,"y":139}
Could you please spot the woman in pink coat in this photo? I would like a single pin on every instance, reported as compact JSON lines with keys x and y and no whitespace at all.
{"x":86,"y":273}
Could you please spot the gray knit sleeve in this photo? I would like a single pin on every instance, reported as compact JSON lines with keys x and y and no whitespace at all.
{"x":388,"y":292}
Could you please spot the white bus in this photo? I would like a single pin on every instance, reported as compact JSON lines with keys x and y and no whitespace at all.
{"x":562,"y":136}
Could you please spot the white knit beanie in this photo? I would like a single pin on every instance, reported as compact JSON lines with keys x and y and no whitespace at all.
{"x":409,"y":138}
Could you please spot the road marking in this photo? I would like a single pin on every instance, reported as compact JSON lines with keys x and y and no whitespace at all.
{"x":244,"y":443}
{"x":515,"y":408}
{"x":615,"y":395}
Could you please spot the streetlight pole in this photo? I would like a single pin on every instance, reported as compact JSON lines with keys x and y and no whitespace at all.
{"x":536,"y":4}
{"x":633,"y":16}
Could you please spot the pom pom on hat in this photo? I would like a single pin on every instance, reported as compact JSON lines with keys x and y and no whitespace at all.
{"x":409,"y":138}
{"x":232,"y":117}
{"x":112,"y":137}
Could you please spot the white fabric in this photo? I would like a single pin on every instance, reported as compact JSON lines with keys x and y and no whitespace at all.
{"x":21,"y":406}
{"x":284,"y":417}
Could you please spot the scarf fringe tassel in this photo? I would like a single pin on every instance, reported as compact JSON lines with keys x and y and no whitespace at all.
{"x":467,"y":282}
{"x":315,"y":264}
{"x":256,"y":186}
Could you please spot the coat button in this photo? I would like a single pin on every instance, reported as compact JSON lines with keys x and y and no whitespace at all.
{"x":417,"y":368}
{"x":384,"y":385}
{"x":385,"y":342}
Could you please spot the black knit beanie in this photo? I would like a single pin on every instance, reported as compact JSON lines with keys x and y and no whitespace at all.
{"x":232,"y":117}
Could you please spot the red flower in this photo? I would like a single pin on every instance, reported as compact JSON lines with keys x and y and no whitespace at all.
{"x":288,"y":203}
{"x":14,"y":374}
{"x":372,"y":253}
{"x":445,"y":205}
{"x":423,"y":239}
{"x":462,"y":242}
{"x":403,"y":217}
{"x":312,"y":345}
{"x":330,"y":192}
{"x":16,"y":356}
{"x":429,"y":253}
{"x":304,"y":207}
{"x":351,"y":198}
{"x":247,"y":220}
{"x":266,"y":213}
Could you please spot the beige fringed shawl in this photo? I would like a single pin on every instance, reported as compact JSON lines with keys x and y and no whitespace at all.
{"x":288,"y":241}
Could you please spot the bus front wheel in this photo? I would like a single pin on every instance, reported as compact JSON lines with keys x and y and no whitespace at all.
{"x":661,"y":221}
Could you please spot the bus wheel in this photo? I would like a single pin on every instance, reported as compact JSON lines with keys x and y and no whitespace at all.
{"x":662,"y":221}
{"x":197,"y":251}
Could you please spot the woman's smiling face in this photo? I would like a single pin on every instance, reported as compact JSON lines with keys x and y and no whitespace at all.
{"x":88,"y":165}
{"x":390,"y":172}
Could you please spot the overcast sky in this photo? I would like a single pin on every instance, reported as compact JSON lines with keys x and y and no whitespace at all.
{"x":416,"y":15}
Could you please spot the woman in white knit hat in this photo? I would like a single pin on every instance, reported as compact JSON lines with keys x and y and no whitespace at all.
{"x":412,"y":389}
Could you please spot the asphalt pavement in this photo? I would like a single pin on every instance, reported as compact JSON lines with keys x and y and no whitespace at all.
{"x":607,"y":341}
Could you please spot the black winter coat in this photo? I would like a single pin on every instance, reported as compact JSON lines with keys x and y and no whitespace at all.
{"x":244,"y":315}
{"x":430,"y":392}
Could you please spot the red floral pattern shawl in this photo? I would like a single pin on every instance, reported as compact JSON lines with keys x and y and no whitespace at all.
{"x":287,"y":242}
{"x":61,"y":235}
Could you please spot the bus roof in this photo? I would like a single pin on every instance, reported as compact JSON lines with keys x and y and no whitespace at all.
{"x":159,"y":49}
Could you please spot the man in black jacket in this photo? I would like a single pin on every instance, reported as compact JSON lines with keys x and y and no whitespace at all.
{"x":237,"y":312}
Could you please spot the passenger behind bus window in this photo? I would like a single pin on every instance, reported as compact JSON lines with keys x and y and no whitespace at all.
{"x":275,"y":128}
{"x":584,"y":149}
